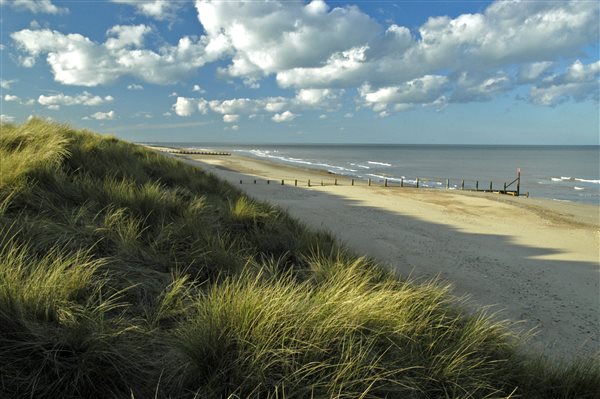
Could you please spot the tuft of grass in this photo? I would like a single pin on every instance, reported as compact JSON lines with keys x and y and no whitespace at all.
{"x":125,"y":273}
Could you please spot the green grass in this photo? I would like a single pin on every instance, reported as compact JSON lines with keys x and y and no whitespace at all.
{"x":124,"y":273}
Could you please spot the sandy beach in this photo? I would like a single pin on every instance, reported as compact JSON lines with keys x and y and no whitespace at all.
{"x":529,"y":260}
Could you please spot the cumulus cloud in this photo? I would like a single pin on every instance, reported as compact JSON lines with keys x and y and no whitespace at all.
{"x":84,"y":98}
{"x":6,"y":118}
{"x":268,"y":37}
{"x":134,"y":86}
{"x":284,"y":117}
{"x":184,"y":106}
{"x":35,"y":6}
{"x":579,"y":82}
{"x":77,"y":60}
{"x":158,"y":9}
{"x":101,"y":116}
{"x":11,"y":98}
{"x":313,"y":46}
{"x":424,"y":90}
{"x":198,"y":89}
{"x":230,"y":118}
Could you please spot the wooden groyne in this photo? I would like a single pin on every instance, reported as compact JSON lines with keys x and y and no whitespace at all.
{"x":414,"y":183}
{"x":194,"y":152}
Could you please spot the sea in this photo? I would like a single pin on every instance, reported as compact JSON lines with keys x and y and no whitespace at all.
{"x":561,"y":173}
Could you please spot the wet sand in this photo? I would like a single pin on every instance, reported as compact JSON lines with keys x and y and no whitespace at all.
{"x":527,"y":259}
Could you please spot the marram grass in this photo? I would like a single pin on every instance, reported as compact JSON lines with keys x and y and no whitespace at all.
{"x":124,"y":273}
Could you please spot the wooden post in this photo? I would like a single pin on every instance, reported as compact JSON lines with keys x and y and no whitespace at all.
{"x":352,"y":181}
{"x":240,"y":182}
{"x":447,"y":183}
{"x":491,"y":186}
{"x":308,"y":182}
{"x":462,"y":185}
{"x":385,"y":184}
{"x":519,"y":181}
{"x":369,"y":182}
{"x":295,"y":182}
{"x":477,"y":185}
{"x":335,"y":182}
{"x":417,"y":182}
{"x":268,"y":182}
{"x":402,"y":182}
{"x":321,"y":182}
{"x":254,"y":181}
{"x":282,"y":182}
{"x":527,"y":195}
{"x":505,"y":187}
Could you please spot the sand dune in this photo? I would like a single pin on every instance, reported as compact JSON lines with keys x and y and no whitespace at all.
{"x":531,"y":260}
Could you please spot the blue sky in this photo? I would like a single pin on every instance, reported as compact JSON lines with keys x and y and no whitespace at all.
{"x":472,"y":72}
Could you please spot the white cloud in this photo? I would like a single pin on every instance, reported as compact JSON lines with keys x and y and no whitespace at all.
{"x":101,"y":116}
{"x":579,"y":82}
{"x":54,"y":107}
{"x":197,"y":88}
{"x":184,"y":106}
{"x":322,"y":116}
{"x":423,"y":90}
{"x":268,"y":37}
{"x":11,"y":98}
{"x":124,"y":36}
{"x":35,"y":6}
{"x":84,"y":98}
{"x":284,"y":117}
{"x":134,"y":86}
{"x":235,"y":127}
{"x":5,"y":84}
{"x":158,"y":9}
{"x":230,"y":118}
{"x":531,"y":72}
{"x":348,"y":115}
{"x":77,"y":60}
{"x":6,"y":119}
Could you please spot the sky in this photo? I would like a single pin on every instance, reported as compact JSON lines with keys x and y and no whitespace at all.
{"x":414,"y":72}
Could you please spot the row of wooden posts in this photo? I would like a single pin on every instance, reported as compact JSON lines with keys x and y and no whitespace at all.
{"x":417,"y":184}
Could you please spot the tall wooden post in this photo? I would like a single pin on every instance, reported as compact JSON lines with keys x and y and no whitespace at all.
{"x":402,"y":182}
{"x":447,"y":184}
{"x":462,"y":185}
{"x":417,"y":182}
{"x":369,"y":182}
{"x":335,"y":182}
{"x":352,"y":181}
{"x":491,"y":186}
{"x":385,"y":183}
{"x":518,"y":181}
{"x":308,"y":182}
{"x":282,"y":182}
{"x":477,"y":185}
{"x":295,"y":182}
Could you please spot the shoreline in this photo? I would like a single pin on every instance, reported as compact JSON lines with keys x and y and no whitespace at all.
{"x":527,"y":259}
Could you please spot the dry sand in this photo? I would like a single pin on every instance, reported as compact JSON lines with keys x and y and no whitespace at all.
{"x":528,"y":259}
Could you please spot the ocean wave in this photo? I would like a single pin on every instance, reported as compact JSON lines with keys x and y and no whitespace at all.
{"x":328,"y":167}
{"x":360,"y":166}
{"x":588,"y":181}
{"x":573,"y":179}
{"x":379,"y":163}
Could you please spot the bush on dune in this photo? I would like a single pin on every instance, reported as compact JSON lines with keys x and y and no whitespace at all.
{"x":125,"y":273}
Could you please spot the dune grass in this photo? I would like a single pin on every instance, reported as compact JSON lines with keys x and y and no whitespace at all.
{"x":125,"y":273}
